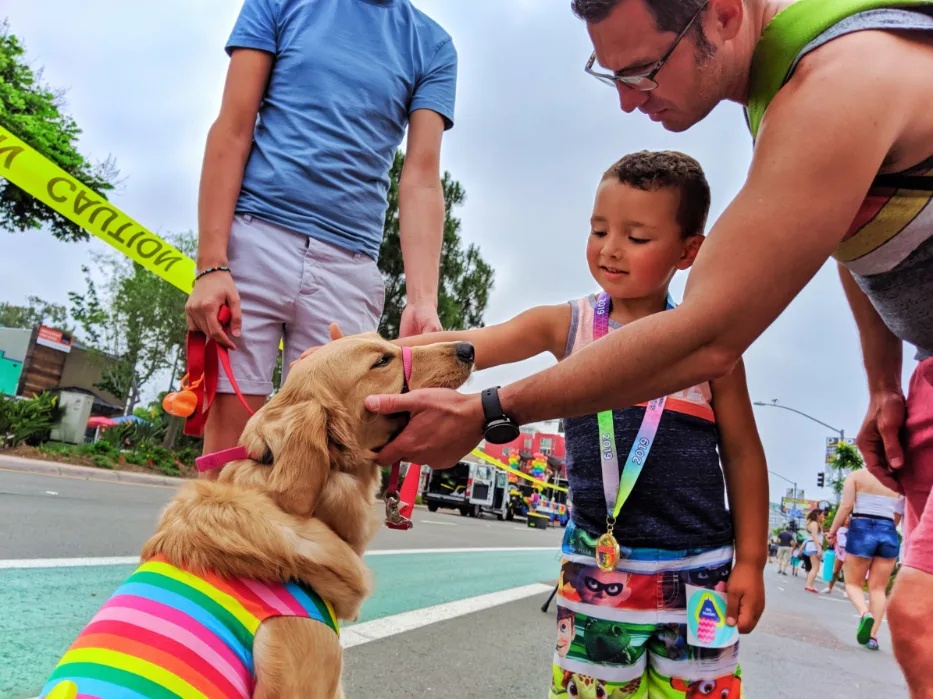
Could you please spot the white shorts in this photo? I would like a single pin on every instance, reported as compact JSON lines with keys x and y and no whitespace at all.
{"x":292,"y":287}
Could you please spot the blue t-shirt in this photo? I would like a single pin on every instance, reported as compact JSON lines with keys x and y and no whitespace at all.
{"x":347,"y":75}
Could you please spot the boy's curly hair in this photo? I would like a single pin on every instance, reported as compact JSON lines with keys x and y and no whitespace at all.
{"x":652,"y":170}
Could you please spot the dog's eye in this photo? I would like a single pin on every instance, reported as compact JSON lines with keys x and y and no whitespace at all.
{"x":383,"y":361}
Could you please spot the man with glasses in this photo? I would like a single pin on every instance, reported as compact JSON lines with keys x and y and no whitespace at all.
{"x":295,"y":177}
{"x":839,"y":99}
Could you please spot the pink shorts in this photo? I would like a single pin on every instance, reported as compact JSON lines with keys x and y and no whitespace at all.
{"x":916,"y":481}
{"x":292,"y":287}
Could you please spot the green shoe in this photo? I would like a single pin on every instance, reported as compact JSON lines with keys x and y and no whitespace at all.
{"x":872,"y":644}
{"x":863,"y":635}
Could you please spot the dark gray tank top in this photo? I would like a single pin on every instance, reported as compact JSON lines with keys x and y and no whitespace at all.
{"x":889,"y":248}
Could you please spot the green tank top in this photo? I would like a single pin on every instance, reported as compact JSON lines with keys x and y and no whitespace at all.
{"x":788,"y":34}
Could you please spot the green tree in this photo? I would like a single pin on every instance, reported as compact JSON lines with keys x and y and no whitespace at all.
{"x":36,"y":312}
{"x":465,"y":278}
{"x":34,"y":112}
{"x":845,"y":460}
{"x":136,"y":319}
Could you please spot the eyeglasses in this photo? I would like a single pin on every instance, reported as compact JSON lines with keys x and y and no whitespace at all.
{"x":644,"y":82}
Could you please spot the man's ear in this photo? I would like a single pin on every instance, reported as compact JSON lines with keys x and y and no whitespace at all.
{"x":690,"y":251}
{"x":293,"y":440}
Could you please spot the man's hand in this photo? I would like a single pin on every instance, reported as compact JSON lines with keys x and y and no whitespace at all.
{"x":444,"y":426}
{"x":746,"y":597}
{"x":879,"y":439}
{"x":209,"y":294}
{"x":418,"y":319}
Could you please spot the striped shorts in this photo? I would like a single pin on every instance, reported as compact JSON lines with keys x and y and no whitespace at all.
{"x":624,"y":633}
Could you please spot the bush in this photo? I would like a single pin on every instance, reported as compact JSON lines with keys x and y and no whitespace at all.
{"x":103,"y":462}
{"x":27,"y":421}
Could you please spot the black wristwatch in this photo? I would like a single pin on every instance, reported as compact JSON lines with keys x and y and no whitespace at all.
{"x":499,"y":428}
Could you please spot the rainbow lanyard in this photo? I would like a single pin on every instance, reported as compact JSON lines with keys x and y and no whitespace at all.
{"x":617,"y":485}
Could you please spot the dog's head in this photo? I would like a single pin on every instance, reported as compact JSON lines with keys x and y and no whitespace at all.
{"x":318,"y":423}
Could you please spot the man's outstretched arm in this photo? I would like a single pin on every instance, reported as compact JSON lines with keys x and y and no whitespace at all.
{"x":804,"y":187}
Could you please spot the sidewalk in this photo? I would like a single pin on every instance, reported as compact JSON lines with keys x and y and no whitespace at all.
{"x":54,"y":468}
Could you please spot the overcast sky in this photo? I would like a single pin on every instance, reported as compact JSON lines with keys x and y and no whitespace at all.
{"x":533,"y":134}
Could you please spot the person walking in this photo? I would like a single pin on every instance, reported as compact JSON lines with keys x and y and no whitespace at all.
{"x":872,"y":547}
{"x":813,"y":547}
{"x":785,"y":545}
{"x":839,"y":547}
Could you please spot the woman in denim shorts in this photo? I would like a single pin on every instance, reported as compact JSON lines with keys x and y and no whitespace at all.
{"x":872,"y":547}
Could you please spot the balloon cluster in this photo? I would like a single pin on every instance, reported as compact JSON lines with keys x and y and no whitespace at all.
{"x":515,"y":463}
{"x":538,"y":467}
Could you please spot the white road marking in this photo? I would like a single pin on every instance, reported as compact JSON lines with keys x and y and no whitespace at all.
{"x":25,"y":563}
{"x":409,"y":621}
{"x":431,"y":521}
{"x":50,"y":492}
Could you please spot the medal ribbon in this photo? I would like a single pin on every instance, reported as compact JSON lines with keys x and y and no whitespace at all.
{"x":618,"y":485}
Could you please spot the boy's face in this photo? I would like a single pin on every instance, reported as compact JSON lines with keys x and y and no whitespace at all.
{"x":635,"y":244}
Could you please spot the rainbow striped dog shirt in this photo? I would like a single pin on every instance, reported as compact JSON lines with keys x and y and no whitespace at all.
{"x":167,"y":633}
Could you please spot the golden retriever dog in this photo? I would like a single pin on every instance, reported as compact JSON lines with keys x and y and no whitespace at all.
{"x":289,"y":523}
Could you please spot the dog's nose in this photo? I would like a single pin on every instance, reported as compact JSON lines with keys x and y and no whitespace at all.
{"x":465,"y":352}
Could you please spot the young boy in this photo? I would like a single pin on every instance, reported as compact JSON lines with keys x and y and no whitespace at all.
{"x":628,"y":561}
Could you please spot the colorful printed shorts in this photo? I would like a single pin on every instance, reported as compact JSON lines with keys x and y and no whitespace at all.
{"x":624,"y":634}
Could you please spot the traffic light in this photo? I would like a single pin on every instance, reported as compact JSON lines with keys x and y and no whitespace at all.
{"x":820,"y":479}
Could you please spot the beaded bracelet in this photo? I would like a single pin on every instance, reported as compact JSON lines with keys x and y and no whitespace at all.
{"x":207,"y":271}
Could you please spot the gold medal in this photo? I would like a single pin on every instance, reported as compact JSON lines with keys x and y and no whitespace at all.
{"x":607,"y":552}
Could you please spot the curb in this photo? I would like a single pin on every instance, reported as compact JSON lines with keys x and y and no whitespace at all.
{"x":53,"y":468}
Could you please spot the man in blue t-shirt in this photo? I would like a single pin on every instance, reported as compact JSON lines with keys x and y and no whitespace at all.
{"x":295,"y":179}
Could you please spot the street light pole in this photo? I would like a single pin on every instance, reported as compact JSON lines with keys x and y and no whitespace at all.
{"x":774,"y":404}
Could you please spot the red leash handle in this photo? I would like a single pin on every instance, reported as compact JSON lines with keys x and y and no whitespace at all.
{"x":203,"y":354}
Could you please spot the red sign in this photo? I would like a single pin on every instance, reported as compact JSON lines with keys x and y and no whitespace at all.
{"x":56,"y":339}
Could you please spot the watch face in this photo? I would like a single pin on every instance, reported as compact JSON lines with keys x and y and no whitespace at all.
{"x":501,"y":432}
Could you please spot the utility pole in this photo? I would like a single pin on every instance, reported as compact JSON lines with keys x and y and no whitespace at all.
{"x":793,"y":483}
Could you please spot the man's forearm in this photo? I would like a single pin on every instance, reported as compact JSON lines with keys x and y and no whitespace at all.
{"x":882,"y":351}
{"x":421,"y":233}
{"x":654,"y":356}
{"x":221,"y":178}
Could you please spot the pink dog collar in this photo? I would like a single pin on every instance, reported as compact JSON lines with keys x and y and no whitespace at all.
{"x":209,"y":462}
{"x":406,"y":365}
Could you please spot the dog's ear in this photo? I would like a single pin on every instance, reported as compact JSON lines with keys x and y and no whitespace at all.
{"x":342,"y":439}
{"x":292,"y":440}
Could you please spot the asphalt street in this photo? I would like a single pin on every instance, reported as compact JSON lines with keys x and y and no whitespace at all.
{"x":55,"y":517}
{"x":804,"y":645}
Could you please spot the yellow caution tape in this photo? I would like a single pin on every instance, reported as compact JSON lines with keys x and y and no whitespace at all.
{"x":37,"y":175}
{"x":505,"y":467}
{"x":40,"y":177}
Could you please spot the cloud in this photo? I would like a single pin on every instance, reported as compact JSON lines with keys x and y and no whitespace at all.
{"x":533,"y":135}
